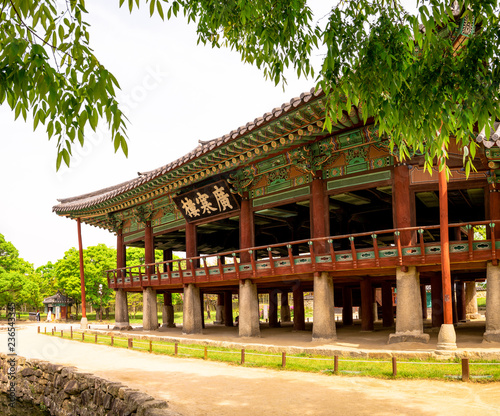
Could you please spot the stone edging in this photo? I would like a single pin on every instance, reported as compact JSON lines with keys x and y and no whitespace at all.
{"x":64,"y":391}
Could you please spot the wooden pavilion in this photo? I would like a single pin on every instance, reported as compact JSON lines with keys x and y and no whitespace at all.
{"x":280,"y":205}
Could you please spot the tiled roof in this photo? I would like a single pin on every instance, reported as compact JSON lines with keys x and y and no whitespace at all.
{"x":94,"y":198}
{"x":494,"y":136}
{"x":59,"y":298}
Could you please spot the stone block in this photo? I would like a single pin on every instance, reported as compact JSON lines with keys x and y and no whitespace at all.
{"x":144,"y":409}
{"x":72,"y":387}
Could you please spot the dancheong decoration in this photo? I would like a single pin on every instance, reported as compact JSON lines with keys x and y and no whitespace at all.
{"x":207,"y":201}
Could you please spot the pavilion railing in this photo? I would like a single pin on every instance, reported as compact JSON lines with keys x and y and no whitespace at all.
{"x":383,"y":248}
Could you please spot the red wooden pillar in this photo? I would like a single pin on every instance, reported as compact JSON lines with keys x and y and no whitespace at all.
{"x":460,"y":294}
{"x":402,"y":205}
{"x":82,"y":274}
{"x":445,"y":248}
{"x":495,"y":210}
{"x":273,"y":309}
{"x":319,"y":212}
{"x":387,"y":308}
{"x":437,"y":300}
{"x":347,"y":305}
{"x":191,"y":243}
{"x":121,"y":253}
{"x":228,"y":308}
{"x":366,"y":305}
{"x":423,"y":296}
{"x":149,"y":250}
{"x":167,"y":255}
{"x":299,"y":321}
{"x":247,"y":231}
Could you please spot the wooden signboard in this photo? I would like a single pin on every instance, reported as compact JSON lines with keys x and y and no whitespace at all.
{"x":205,"y":202}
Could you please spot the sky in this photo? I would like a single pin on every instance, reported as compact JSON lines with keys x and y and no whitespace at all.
{"x":174,"y":93}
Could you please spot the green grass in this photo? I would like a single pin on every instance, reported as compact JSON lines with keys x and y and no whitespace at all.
{"x":481,"y":302}
{"x":379,"y":368}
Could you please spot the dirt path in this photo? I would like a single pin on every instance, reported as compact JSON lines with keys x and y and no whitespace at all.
{"x":197,"y":387}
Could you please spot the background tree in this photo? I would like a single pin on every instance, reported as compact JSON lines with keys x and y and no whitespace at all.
{"x":412,"y":75}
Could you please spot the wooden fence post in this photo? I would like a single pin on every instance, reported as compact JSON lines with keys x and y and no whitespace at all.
{"x":176,"y":349}
{"x":243,"y":356}
{"x":96,"y":338}
{"x":130,"y":343}
{"x":283,"y":359}
{"x":150,"y":346}
{"x":465,"y":369}
{"x":205,"y":354}
{"x":112,"y":340}
{"x":394,"y":367}
{"x":336,"y":364}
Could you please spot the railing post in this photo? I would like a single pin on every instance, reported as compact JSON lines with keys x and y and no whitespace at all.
{"x":236,"y":266}
{"x":493,"y":243}
{"x":397,"y":235}
{"x":130,"y":343}
{"x":353,"y":252}
{"x":375,"y":249}
{"x":252,"y":261}
{"x":470,"y":240}
{"x":332,"y":254}
{"x":205,"y":355}
{"x":271,"y":260}
{"x":336,"y":364}
{"x":290,"y":257}
{"x":311,"y":252}
{"x":243,"y":356}
{"x":112,"y":340}
{"x":283,"y":359}
{"x":394,"y":367}
{"x":150,"y":346}
{"x":176,"y":349}
{"x":422,"y":245}
{"x":221,"y":267}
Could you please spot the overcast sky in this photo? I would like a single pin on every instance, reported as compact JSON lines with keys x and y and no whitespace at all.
{"x":174,"y":94}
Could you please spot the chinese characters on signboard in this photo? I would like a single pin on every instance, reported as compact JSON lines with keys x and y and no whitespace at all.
{"x":204,"y":202}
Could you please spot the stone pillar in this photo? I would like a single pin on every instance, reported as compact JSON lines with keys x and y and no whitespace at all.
{"x":366,"y":305}
{"x":492,"y":303}
{"x":347,"y":306}
{"x":387,"y":309}
{"x":437,"y":301}
{"x":202,"y":310}
{"x":409,"y":323}
{"x":299,"y":321}
{"x":219,"y":310}
{"x":324,"y":310}
{"x":285,"y":307}
{"x":168,"y":311}
{"x":228,"y":308}
{"x":150,"y":310}
{"x":248,"y":325}
{"x":471,"y":301}
{"x":273,"y":309}
{"x":460,"y":294}
{"x":121,"y":310}
{"x":192,"y":310}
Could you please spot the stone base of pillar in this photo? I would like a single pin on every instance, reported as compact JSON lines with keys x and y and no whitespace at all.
{"x":219,"y":315}
{"x":324,"y":311}
{"x":248,"y":325}
{"x":192,"y":321}
{"x":168,"y":316}
{"x":447,"y":339}
{"x":84,"y":323}
{"x":410,"y":336}
{"x":492,"y":336}
{"x":285,"y":313}
{"x":122,"y":326}
{"x":473,"y":316}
